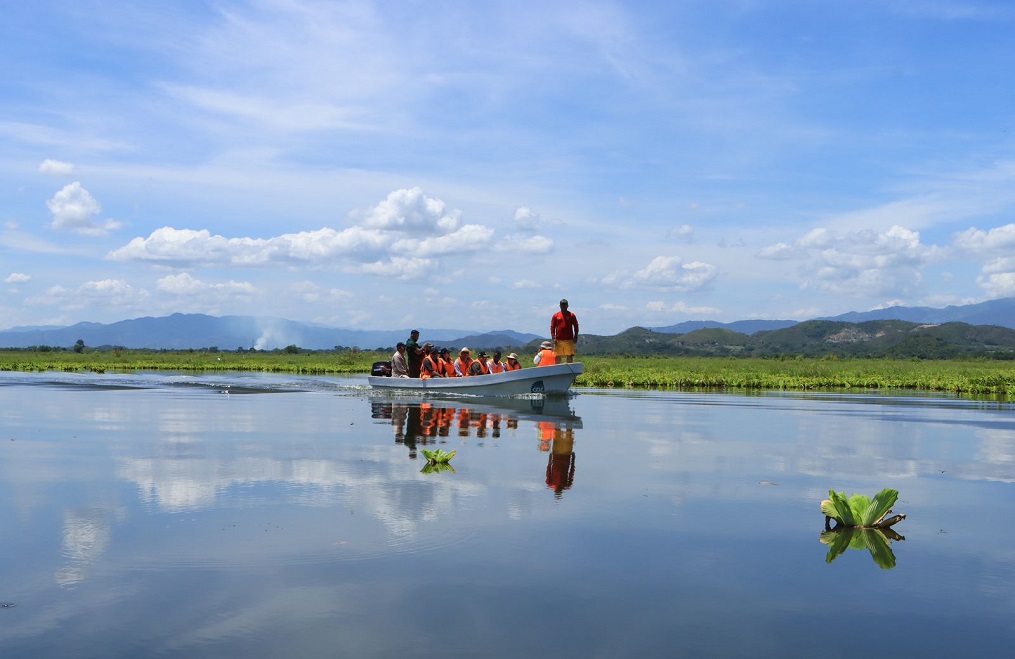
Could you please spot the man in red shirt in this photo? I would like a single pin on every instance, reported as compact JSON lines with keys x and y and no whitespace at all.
{"x":564,"y":332}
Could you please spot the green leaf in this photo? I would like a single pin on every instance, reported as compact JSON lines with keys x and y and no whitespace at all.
{"x":879,"y":547}
{"x":842,"y":508}
{"x":859,"y":504}
{"x":828,"y":509}
{"x":837,"y":541}
{"x":429,"y":455}
{"x":879,"y":507}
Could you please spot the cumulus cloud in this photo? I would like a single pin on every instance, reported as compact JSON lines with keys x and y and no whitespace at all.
{"x":114,"y":293}
{"x":412,"y":211}
{"x":17,"y":278}
{"x":186,"y":284}
{"x":978,"y":241}
{"x":403,"y":236}
{"x":857,"y":263}
{"x":670,"y":273}
{"x":74,"y":209}
{"x":56,"y":168}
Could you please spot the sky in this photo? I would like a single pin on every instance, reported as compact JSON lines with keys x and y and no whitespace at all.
{"x":395,"y":164}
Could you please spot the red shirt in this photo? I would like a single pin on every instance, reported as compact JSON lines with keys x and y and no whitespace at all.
{"x":563,"y":327}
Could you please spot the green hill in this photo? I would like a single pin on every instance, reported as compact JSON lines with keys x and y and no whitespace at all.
{"x":817,"y":338}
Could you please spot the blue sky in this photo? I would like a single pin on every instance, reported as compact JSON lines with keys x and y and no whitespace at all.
{"x":382,"y":165}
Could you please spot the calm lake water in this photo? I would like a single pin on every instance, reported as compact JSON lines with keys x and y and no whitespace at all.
{"x":237,"y":515}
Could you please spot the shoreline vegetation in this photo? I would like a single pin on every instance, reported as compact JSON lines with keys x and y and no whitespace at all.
{"x":977,"y":377}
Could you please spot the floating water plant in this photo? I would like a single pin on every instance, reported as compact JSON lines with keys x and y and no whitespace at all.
{"x":861,"y":523}
{"x":860,"y":511}
{"x":876,"y":541}
{"x":437,"y":461}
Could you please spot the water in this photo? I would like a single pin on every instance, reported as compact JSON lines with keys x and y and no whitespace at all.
{"x":264,"y":516}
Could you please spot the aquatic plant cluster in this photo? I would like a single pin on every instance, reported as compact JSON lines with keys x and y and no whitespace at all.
{"x":974,"y":377}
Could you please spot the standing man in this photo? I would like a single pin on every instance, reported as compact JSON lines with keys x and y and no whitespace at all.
{"x":564,"y":332}
{"x":414,"y":353}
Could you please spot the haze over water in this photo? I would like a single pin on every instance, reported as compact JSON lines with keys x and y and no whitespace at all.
{"x":263,"y":516}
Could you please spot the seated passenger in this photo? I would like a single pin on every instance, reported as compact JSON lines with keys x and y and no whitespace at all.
{"x":496,"y":365}
{"x":428,"y":367}
{"x":479,"y":367}
{"x":512,"y":362}
{"x":545,"y":356}
{"x":463,"y":363}
{"x":399,"y":367}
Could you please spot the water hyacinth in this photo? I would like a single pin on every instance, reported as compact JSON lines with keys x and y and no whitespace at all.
{"x":860,"y":511}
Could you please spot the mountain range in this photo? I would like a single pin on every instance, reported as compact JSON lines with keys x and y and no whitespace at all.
{"x":184,"y":331}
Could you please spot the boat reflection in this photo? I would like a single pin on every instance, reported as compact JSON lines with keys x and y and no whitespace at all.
{"x":875,"y":540}
{"x":422,"y":423}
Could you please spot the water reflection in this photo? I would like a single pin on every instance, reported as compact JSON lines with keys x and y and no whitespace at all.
{"x":424,"y":423}
{"x":876,"y":541}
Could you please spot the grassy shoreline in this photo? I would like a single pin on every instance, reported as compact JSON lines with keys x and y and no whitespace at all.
{"x":972,"y":377}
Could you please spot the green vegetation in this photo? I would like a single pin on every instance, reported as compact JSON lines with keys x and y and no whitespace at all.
{"x":861,"y":511}
{"x":437,"y":461}
{"x":980,"y":377}
{"x":861,"y":524}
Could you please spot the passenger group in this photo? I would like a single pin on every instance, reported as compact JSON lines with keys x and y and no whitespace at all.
{"x":412,"y":360}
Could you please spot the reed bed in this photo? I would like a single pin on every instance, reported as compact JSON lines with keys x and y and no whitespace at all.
{"x":976,"y":377}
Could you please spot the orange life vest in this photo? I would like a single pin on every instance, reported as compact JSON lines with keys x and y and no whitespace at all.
{"x":498,"y":367}
{"x":427,"y":373}
{"x":547,"y":358}
{"x":463,"y":366}
{"x":509,"y":367}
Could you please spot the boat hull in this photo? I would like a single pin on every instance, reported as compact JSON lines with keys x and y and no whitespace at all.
{"x":547,"y":380}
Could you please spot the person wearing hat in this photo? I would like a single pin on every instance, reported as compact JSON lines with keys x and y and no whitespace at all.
{"x":545,"y":356}
{"x":512,"y":363}
{"x":445,"y":363}
{"x":564,"y":332}
{"x":463,"y":363}
{"x":428,"y":368}
{"x":478,"y":366}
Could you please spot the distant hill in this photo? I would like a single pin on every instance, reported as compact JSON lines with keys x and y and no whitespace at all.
{"x":847,"y":334}
{"x":184,"y":331}
{"x":993,"y":312}
{"x":818,"y":338}
{"x":742,"y":326}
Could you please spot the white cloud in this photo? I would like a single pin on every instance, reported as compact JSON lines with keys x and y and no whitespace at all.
{"x":663,"y":307}
{"x":527,"y":219}
{"x":685,"y":233}
{"x":401,"y":237}
{"x":413,"y":212}
{"x":111,"y":293}
{"x":670,"y":273}
{"x":17,"y":278}
{"x":185,"y":284}
{"x":56,"y":168}
{"x":998,"y":239}
{"x":858,"y":263}
{"x":74,"y":209}
{"x":527,"y":284}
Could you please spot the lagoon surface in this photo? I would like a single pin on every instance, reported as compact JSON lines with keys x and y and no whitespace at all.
{"x":239,"y":515}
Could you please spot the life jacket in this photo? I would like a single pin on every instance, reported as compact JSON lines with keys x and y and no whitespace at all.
{"x":447,"y":368}
{"x":463,"y":366}
{"x":427,"y":373}
{"x":478,"y":365}
{"x":497,"y":367}
{"x":547,"y":358}
{"x":509,"y":367}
